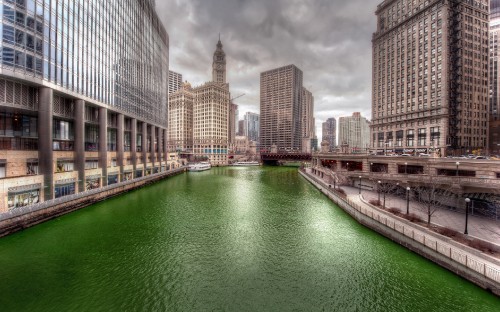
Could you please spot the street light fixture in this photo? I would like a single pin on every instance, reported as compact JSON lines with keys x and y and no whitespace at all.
{"x":467,"y":201}
{"x":378,"y":189}
{"x":408,"y":200}
{"x":347,"y":166}
{"x":457,"y":163}
{"x":406,"y":168}
{"x":359,"y":185}
{"x":371,"y":167}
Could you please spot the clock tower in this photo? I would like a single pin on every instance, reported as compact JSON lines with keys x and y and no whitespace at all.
{"x":219,"y":65}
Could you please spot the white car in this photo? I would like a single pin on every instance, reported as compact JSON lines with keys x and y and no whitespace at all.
{"x":424,"y":155}
{"x":405,"y":155}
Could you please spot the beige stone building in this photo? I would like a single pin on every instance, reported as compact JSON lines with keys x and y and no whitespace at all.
{"x":308,"y":127}
{"x":494,"y":122}
{"x":354,"y":134}
{"x":430,"y":76}
{"x":180,"y":119}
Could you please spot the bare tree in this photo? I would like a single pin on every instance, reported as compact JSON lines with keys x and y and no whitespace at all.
{"x":386,"y":187}
{"x":431,"y":196}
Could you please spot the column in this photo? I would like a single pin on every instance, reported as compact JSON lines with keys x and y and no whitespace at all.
{"x":153,"y":150}
{"x":103,"y":144}
{"x":160,"y":147}
{"x":45,"y":154}
{"x":144,"y":145}
{"x":120,"y":144}
{"x":165,"y":149}
{"x":79,"y":154}
{"x":133,"y":144}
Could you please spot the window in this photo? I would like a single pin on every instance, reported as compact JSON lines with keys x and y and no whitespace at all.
{"x":32,"y":167}
{"x":23,"y":198}
{"x":64,"y":190}
{"x":65,"y":166}
{"x":2,"y":168}
{"x":91,"y":164}
{"x":410,"y":134}
{"x":422,"y":136}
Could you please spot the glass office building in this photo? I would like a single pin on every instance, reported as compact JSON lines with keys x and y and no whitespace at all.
{"x":83,"y":92}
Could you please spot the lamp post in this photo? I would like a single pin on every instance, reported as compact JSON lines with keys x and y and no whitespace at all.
{"x":334,"y":187}
{"x":457,"y":163}
{"x":467,"y":201}
{"x":371,"y":167}
{"x":347,"y":166}
{"x":378,"y":189}
{"x":406,"y":168}
{"x":407,"y":200}
{"x":359,"y":185}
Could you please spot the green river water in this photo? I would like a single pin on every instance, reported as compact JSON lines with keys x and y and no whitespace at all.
{"x":228,"y":239}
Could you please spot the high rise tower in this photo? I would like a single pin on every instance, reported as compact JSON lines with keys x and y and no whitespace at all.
{"x":219,"y":65}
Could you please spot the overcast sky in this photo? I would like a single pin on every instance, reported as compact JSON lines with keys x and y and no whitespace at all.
{"x":329,"y":40}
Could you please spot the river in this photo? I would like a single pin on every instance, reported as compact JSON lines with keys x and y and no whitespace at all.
{"x":228,"y":239}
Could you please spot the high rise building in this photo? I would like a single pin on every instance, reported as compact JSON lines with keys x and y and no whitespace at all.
{"x":180,"y":119}
{"x":80,"y":106}
{"x":251,"y":126}
{"x":494,"y":122}
{"x":233,"y":119}
{"x":211,"y":114}
{"x":430,"y":76}
{"x":308,"y":127}
{"x":354,"y":134}
{"x":241,"y":127}
{"x":174,"y":81}
{"x":281,"y":108}
{"x":329,"y":129}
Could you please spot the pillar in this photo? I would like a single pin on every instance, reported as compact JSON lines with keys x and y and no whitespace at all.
{"x":120,"y":150}
{"x":160,"y":147}
{"x":152,"y":149}
{"x":79,"y":154}
{"x":133,"y":144}
{"x":45,"y":154}
{"x":144,"y":145}
{"x":103,"y":144}
{"x":165,"y":149}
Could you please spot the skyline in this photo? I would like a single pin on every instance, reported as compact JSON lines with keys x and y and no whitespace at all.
{"x":330,"y":41}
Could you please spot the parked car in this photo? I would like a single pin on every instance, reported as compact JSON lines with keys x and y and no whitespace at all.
{"x":405,"y":155}
{"x":424,"y":155}
{"x":481,"y":157}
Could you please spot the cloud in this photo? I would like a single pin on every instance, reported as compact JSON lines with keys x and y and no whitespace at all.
{"x":329,"y":40}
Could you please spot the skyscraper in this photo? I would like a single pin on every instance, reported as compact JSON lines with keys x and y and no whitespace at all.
{"x":430,"y":77}
{"x":180,"y":119}
{"x":494,"y":122}
{"x":308,"y":127}
{"x":233,"y":119}
{"x":211,"y":114}
{"x":174,"y":81}
{"x":329,"y":129}
{"x":251,"y":126}
{"x":281,"y":108}
{"x":354,"y":134}
{"x":74,"y":115}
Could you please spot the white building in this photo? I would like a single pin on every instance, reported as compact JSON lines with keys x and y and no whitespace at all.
{"x":354,"y":134}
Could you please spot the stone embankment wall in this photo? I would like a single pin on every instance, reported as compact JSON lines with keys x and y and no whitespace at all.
{"x":24,"y":217}
{"x":464,"y":261}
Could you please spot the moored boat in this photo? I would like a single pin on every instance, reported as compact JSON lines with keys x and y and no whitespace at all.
{"x":246,"y":163}
{"x":199,"y":166}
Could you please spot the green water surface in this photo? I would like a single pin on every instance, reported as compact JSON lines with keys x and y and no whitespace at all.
{"x":228,"y":239}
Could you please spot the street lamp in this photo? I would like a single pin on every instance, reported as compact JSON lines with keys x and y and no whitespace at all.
{"x":407,"y":200}
{"x":359,"y":185}
{"x":371,"y":167}
{"x":457,"y":163}
{"x":406,"y":168}
{"x":347,"y":166}
{"x":378,"y":189}
{"x":467,"y":201}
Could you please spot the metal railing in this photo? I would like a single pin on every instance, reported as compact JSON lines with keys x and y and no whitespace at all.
{"x":20,"y":211}
{"x":454,"y":253}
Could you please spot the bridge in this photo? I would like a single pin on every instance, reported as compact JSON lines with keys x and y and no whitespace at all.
{"x":275,"y":158}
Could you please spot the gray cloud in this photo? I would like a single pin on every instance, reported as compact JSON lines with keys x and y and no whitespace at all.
{"x":330,"y":40}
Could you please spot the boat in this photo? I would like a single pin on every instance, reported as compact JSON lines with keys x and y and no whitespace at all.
{"x":246,"y":163}
{"x":202,"y":166}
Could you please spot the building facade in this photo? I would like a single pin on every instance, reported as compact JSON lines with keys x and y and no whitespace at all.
{"x":83,"y":98}
{"x":430,"y":76}
{"x":281,"y":109}
{"x":308,"y":127}
{"x":251,"y":126}
{"x":180,"y":119}
{"x":329,"y":133}
{"x":174,"y":81}
{"x":233,"y":119}
{"x":494,"y":118}
{"x":354,"y":134}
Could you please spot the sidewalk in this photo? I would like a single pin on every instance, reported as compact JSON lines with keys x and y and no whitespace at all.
{"x":483,"y":228}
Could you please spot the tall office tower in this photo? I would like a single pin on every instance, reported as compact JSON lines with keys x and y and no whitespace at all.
{"x":281,"y":109}
{"x":180,"y":119}
{"x":211,"y":114}
{"x":494,"y":122}
{"x":307,"y":120}
{"x":354,"y":134}
{"x":233,"y":119}
{"x":430,"y":76}
{"x":174,"y":81}
{"x":329,"y":128}
{"x":89,"y":109}
{"x":219,"y":65}
{"x":251,"y":126}
{"x":241,"y":127}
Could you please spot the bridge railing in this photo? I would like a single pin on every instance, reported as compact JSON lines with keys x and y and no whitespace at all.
{"x":20,"y":211}
{"x":432,"y":241}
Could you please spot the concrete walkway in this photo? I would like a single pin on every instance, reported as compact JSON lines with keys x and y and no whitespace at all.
{"x":483,"y":228}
